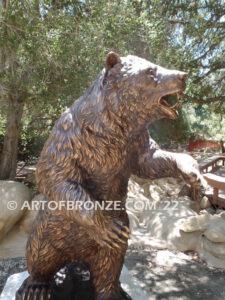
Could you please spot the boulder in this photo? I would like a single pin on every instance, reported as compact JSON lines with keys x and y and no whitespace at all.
{"x":184,"y":241}
{"x":216,"y":249}
{"x":194,"y":223}
{"x":221,"y":213}
{"x":13,"y":244}
{"x":12,"y":197}
{"x":133,"y":221}
{"x":207,"y":253}
{"x":176,"y":223}
{"x":205,"y":203}
{"x":155,"y":192}
{"x":161,"y":223}
{"x":215,"y":231}
{"x":28,"y":219}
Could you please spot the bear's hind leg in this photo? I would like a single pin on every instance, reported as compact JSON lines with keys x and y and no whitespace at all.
{"x":45,"y":256}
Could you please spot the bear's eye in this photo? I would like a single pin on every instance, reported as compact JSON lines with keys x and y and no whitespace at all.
{"x":151,"y":71}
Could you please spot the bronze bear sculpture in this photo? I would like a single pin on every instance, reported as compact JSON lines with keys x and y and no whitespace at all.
{"x":92,"y":151}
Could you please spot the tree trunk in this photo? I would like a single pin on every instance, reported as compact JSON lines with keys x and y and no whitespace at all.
{"x":8,"y":159}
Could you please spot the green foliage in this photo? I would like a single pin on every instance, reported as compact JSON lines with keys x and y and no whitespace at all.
{"x":51,"y":50}
{"x":193,"y":37}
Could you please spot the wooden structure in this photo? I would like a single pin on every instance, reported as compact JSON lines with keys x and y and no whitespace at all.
{"x":213,"y":165}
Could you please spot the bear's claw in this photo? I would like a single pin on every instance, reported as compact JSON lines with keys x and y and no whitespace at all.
{"x":33,"y":291}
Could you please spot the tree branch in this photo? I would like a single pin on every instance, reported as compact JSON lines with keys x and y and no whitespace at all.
{"x":211,"y":48}
{"x":220,"y":79}
{"x":208,"y":73}
{"x":205,"y":101}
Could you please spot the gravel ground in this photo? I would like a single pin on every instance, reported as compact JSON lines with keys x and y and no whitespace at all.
{"x":10,"y":266}
{"x":162,"y":274}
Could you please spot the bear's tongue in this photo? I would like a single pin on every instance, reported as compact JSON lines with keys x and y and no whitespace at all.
{"x":166,"y":99}
{"x":165,"y":103}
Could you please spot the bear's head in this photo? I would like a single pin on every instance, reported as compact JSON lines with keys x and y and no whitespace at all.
{"x":139,"y":90}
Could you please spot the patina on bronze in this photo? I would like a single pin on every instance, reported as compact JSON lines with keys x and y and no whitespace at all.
{"x":92,"y":151}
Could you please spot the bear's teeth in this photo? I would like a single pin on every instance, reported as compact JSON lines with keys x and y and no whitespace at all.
{"x":175,"y":106}
{"x":164,"y":101}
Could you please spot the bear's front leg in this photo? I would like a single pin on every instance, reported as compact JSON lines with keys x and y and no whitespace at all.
{"x":150,"y":162}
{"x":188,"y":168}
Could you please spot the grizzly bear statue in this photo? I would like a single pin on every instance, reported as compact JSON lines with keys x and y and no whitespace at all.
{"x":95,"y":146}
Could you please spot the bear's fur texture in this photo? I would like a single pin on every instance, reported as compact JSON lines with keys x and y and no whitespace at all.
{"x":92,"y":151}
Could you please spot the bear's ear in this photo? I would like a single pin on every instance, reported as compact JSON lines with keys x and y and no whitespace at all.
{"x":111,"y":60}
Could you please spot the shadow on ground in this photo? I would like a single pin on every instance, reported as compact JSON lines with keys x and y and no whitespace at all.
{"x":162,"y":274}
{"x":175,"y":275}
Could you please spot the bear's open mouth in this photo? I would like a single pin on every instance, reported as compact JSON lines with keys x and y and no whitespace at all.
{"x":166,"y":103}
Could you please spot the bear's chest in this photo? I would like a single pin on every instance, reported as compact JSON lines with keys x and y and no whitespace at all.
{"x":108,"y":187}
{"x":107,"y":175}
{"x":104,"y":158}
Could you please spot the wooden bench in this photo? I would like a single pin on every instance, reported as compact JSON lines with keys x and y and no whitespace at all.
{"x":218,"y":185}
{"x":217,"y":182}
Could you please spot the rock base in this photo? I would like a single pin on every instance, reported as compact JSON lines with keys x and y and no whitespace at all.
{"x":130,"y":284}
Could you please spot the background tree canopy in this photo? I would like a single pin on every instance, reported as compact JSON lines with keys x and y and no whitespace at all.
{"x":50,"y":51}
